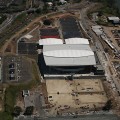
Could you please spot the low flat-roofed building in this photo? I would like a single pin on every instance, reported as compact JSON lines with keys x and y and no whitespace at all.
{"x":68,"y":55}
{"x":114,"y":19}
{"x":97,"y":29}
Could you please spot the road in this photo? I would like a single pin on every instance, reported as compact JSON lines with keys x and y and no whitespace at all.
{"x":86,"y":24}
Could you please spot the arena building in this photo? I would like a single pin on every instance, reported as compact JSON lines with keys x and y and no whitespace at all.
{"x":69,"y":56}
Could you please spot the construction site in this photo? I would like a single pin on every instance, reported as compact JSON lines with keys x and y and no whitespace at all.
{"x":74,"y":97}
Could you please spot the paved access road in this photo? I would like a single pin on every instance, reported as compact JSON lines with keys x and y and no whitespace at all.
{"x":86,"y":24}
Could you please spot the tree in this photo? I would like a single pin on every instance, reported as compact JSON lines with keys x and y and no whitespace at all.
{"x":106,"y":50}
{"x":108,"y":105}
{"x":17,"y":111}
{"x":5,"y":116}
{"x":29,"y":110}
{"x":100,"y":13}
{"x":38,"y":11}
{"x":45,"y":8}
{"x":47,"y":22}
{"x":8,"y":108}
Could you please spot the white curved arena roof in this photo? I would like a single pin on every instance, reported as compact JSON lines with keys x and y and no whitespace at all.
{"x":76,"y":41}
{"x":50,"y":41}
{"x":68,"y":53}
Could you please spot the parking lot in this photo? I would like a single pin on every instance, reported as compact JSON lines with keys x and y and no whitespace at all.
{"x":27,"y":48}
{"x":70,"y":27}
{"x":49,"y":33}
{"x":16,"y":69}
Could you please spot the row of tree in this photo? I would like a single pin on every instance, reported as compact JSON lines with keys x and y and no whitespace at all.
{"x":110,"y":6}
{"x":18,"y":110}
{"x":29,"y":110}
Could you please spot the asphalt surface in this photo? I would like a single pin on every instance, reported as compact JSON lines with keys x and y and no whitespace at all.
{"x":16,"y":69}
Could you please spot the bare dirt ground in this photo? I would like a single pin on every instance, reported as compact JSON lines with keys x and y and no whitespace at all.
{"x":111,"y":36}
{"x":74,"y":95}
{"x":11,"y":48}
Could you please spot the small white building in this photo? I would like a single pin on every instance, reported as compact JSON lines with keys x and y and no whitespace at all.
{"x":62,"y":1}
{"x":96,"y":27}
{"x":114,"y":20}
{"x":50,"y":3}
{"x":26,"y":93}
{"x":28,"y":36}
